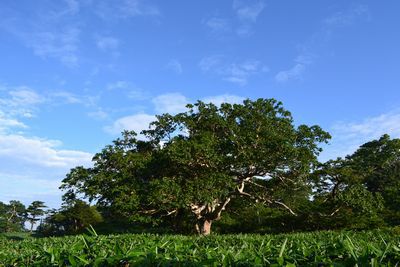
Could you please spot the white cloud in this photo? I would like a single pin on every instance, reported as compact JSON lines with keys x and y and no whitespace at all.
{"x":217,"y":25}
{"x":124,"y":9}
{"x":118,"y":85}
{"x":313,"y":44}
{"x":31,"y":168}
{"x":238,"y":73}
{"x":175,"y":66}
{"x":349,"y":16}
{"x":61,"y":44}
{"x":348,"y":136}
{"x":136,"y":122}
{"x":41,"y":152}
{"x":49,"y":33}
{"x":247,"y":13}
{"x":211,"y":62}
{"x":9,"y":123}
{"x":296,"y":72}
{"x":98,"y":114}
{"x":170,"y":103}
{"x":226,"y":98}
{"x":244,"y":30}
{"x":20,"y":102}
{"x":26,"y":189}
{"x":107,"y":43}
{"x":129,"y":89}
{"x":23,"y":96}
{"x":73,"y":6}
{"x":67,"y":97}
{"x":248,"y":10}
{"x":166,"y":103}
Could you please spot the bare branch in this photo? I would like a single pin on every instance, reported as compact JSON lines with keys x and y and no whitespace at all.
{"x":285,"y":206}
{"x":220,"y":208}
{"x":335,"y":211}
{"x":256,"y":184}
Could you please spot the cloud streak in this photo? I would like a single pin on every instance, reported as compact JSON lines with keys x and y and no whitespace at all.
{"x":296,"y":72}
{"x":248,"y":10}
{"x":235,"y":72}
{"x":175,"y":66}
{"x":166,"y":103}
{"x":307,"y":54}
{"x":124,"y":9}
{"x":348,"y":136}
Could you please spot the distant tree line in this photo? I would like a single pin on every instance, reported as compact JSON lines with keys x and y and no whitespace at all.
{"x":14,"y":215}
{"x":232,"y":168}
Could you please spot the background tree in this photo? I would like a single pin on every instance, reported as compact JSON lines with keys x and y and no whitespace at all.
{"x":362,"y":190}
{"x":196,"y":162}
{"x":12,"y":216}
{"x":34,"y":212}
{"x":378,"y":162}
{"x":71,"y":219}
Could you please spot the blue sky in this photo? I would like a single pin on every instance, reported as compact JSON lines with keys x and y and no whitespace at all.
{"x":74,"y":73}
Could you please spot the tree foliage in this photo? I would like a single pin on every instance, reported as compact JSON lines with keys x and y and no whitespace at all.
{"x":197,"y":161}
{"x":365,"y":186}
{"x":34,"y":212}
{"x":71,"y":219}
{"x":12,"y":216}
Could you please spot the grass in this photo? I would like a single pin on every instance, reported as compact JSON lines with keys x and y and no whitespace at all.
{"x":368,"y":248}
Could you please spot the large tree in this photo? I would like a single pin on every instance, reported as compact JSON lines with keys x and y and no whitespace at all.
{"x":197,"y":161}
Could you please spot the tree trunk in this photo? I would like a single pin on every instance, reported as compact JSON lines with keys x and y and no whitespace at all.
{"x":204,"y":227}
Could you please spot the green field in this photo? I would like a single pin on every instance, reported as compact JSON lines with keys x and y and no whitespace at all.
{"x":369,"y":248}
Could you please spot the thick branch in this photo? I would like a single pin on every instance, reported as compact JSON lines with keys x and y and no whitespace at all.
{"x":217,"y":212}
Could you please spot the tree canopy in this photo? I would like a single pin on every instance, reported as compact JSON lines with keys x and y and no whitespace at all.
{"x":194,"y":163}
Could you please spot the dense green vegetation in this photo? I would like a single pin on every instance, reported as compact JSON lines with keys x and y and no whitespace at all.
{"x":236,"y":169}
{"x":370,"y":248}
{"x":192,"y":165}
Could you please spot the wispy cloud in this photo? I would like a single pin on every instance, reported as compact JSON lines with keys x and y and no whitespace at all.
{"x":348,"y":17}
{"x":98,"y":114}
{"x":50,"y":33}
{"x":248,"y":10}
{"x":30,"y":159}
{"x":61,"y":45}
{"x":136,"y":122}
{"x":235,"y":72}
{"x":7,"y":123}
{"x":67,"y":97}
{"x":308,"y":49}
{"x":108,"y":44}
{"x":27,"y":188}
{"x":217,"y":24}
{"x":245,"y":15}
{"x":32,"y":168}
{"x":124,"y":9}
{"x":170,"y":103}
{"x":175,"y":66}
{"x":296,"y":72}
{"x":348,"y":136}
{"x":129,"y":89}
{"x":40,"y":151}
{"x":166,"y":103}
{"x":20,"y":102}
{"x":225,"y":98}
{"x":73,"y":6}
